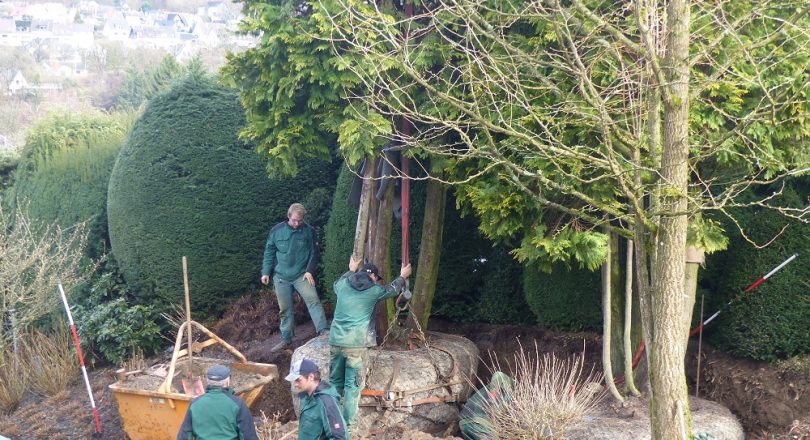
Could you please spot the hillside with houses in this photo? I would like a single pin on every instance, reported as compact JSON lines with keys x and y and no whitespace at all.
{"x":75,"y":54}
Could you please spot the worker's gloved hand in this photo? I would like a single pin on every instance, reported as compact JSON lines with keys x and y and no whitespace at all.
{"x":404,"y":297}
{"x":406,"y":271}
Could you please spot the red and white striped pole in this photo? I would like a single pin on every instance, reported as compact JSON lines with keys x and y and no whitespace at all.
{"x":694,"y":331}
{"x":81,"y":358}
{"x":753,"y":286}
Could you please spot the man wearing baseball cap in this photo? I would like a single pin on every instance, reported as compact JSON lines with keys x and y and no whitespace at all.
{"x":357,"y":291}
{"x":218,"y":414}
{"x":320,"y":416}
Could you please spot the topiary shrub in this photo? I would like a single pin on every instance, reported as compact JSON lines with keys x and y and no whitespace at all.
{"x":65,"y":168}
{"x":771,"y":321}
{"x":185,"y":184}
{"x":564,"y":299}
{"x":339,"y":233}
{"x":502,"y":299}
{"x":478,"y":279}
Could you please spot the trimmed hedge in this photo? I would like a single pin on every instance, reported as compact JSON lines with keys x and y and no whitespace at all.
{"x":184,"y":184}
{"x":771,"y":321}
{"x":477,"y":280}
{"x":65,"y":168}
{"x":569,"y":300}
{"x":339,"y":233}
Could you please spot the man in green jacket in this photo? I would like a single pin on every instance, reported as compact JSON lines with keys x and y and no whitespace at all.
{"x":320,"y":416}
{"x":292,"y":256}
{"x":218,"y":414}
{"x":475,"y":417}
{"x":357,"y":294}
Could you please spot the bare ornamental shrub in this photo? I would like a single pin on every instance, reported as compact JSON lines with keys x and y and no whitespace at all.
{"x":13,"y":381}
{"x":50,"y":361}
{"x":272,"y":429}
{"x":34,"y":258}
{"x":549,"y":396}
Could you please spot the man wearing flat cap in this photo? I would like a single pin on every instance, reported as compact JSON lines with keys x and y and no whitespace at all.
{"x":218,"y":414}
{"x":357,"y":291}
{"x":320,"y":416}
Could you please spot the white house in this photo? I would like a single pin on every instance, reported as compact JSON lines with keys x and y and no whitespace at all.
{"x":17,"y":83}
{"x":74,"y":34}
{"x":116,"y":28}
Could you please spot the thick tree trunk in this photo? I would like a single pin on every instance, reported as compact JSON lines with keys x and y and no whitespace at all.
{"x":381,"y":254}
{"x":364,"y":211}
{"x":429,"y":251}
{"x":671,"y":304}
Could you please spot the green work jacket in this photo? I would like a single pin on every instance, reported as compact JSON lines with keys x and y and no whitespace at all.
{"x":217,"y":415}
{"x":320,"y":416}
{"x":290,"y":252}
{"x":357,"y":295}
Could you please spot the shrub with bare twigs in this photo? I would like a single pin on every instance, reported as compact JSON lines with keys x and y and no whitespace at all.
{"x":549,"y":396}
{"x":272,"y":429}
{"x":33,"y":259}
{"x":50,"y":361}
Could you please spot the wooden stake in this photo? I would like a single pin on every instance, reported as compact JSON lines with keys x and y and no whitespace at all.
{"x":700,"y":343}
{"x":188,"y":312}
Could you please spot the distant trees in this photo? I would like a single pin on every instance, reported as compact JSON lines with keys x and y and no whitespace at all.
{"x":141,"y":85}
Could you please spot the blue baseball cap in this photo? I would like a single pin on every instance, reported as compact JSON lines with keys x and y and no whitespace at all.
{"x":302,"y":368}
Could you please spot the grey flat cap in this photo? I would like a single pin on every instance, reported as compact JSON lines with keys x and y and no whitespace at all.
{"x":219,"y":372}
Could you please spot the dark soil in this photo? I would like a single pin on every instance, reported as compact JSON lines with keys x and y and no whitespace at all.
{"x":771,"y":403}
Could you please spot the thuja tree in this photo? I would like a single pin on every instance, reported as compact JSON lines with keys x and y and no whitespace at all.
{"x":64,"y":170}
{"x":296,"y":92}
{"x":636,"y":118}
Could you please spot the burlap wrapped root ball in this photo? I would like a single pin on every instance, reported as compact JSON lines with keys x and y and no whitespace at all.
{"x":414,"y":376}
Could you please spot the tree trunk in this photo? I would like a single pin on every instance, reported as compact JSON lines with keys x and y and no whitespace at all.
{"x":629,"y":335}
{"x":607,"y":312}
{"x":381,"y":254}
{"x":363,"y":212}
{"x":671,"y":304}
{"x":616,"y":305}
{"x":429,"y":251}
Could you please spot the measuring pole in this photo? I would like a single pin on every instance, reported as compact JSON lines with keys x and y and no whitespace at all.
{"x":753,"y":286}
{"x":699,"y":328}
{"x":81,"y":358}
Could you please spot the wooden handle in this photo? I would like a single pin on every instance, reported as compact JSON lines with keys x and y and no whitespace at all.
{"x":188,"y":312}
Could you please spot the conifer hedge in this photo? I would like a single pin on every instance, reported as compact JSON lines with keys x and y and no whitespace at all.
{"x":339,"y":233}
{"x":184,"y":184}
{"x":64,"y":170}
{"x":770,"y":322}
{"x":564,"y":299}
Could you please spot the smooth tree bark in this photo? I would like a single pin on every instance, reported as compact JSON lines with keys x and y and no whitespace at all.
{"x":627,"y":340}
{"x":381,"y":254}
{"x":429,"y":252}
{"x":607,"y":338}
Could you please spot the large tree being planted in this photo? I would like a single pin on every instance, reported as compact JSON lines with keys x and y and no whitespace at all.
{"x":571,"y":117}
